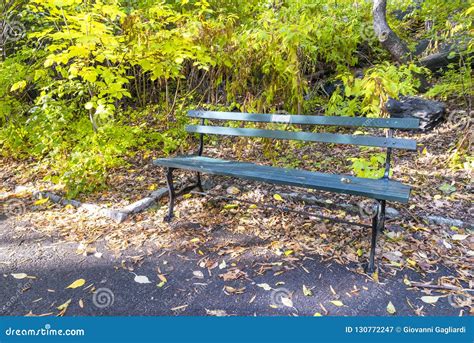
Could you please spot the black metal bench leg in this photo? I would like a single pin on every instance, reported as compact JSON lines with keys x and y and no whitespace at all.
{"x":199,"y":183}
{"x":378,"y":225}
{"x":172,"y":194}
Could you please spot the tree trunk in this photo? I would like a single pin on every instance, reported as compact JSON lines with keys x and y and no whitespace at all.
{"x":389,"y":39}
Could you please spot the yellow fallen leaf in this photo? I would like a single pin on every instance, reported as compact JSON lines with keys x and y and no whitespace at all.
{"x":390,"y":308}
{"x":359,"y":252}
{"x":152,"y":187}
{"x":411,"y":262}
{"x":277,"y":197}
{"x":288,"y":252}
{"x":317,"y":314}
{"x":253,"y":206}
{"x":194,"y":240}
{"x":337,"y":303}
{"x":187,"y":196}
{"x":68,"y":207}
{"x":306,"y":291}
{"x":41,"y":201}
{"x":230,"y":206}
{"x":64,"y":306}
{"x":77,"y":283}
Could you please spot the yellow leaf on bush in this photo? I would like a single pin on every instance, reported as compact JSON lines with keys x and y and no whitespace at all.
{"x":20,"y":85}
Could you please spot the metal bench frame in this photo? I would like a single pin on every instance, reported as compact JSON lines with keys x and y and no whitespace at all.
{"x":378,"y":220}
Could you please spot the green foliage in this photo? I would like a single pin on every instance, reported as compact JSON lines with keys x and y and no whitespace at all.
{"x":367,"y":96}
{"x":372,"y":168}
{"x":95,"y":82}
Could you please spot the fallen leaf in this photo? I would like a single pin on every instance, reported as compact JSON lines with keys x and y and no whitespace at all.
{"x":233,"y":190}
{"x":458,"y":237}
{"x":19,"y":276}
{"x":199,"y":274}
{"x":447,"y":188}
{"x":233,"y":274}
{"x":265,"y":286}
{"x":141,"y":279}
{"x":306,"y":291}
{"x":430,"y":299}
{"x":231,"y":290}
{"x":41,"y":201}
{"x":286,"y":301}
{"x":177,"y":308}
{"x":337,"y":303}
{"x":222,"y":265}
{"x":390,"y":308}
{"x":77,"y":283}
{"x":217,"y":313}
{"x":81,"y":303}
{"x":277,"y":197}
{"x":317,"y":314}
{"x":230,"y":206}
{"x":64,"y":306}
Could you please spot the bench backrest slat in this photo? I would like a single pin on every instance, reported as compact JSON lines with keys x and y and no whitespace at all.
{"x":393,"y":123}
{"x":362,"y":140}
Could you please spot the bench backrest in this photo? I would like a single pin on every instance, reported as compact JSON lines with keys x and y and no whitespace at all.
{"x":362,"y":140}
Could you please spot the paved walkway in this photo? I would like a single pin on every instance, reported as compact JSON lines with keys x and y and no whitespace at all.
{"x":256,"y":284}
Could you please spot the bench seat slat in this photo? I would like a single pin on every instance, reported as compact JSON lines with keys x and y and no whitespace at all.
{"x":381,"y":189}
{"x":372,"y":141}
{"x":394,"y":123}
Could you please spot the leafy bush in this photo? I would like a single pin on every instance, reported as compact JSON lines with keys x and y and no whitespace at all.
{"x":94,"y":82}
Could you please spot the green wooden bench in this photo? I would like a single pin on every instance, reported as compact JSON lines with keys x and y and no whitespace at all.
{"x":381,"y":190}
